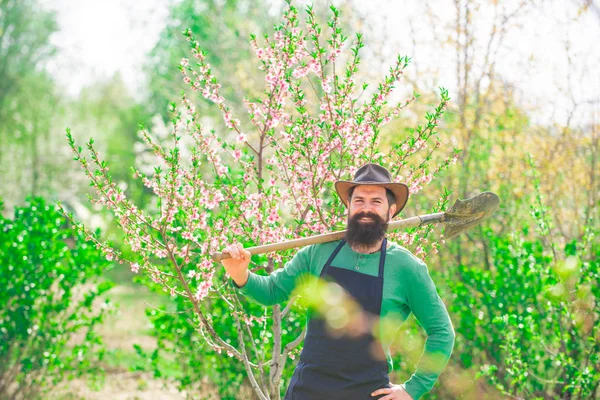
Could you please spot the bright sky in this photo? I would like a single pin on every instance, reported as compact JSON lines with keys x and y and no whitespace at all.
{"x":100,"y":37}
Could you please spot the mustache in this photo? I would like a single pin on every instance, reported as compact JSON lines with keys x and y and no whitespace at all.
{"x":366,"y":214}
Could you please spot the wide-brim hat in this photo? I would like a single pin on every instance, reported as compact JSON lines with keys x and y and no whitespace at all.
{"x":374,"y":175}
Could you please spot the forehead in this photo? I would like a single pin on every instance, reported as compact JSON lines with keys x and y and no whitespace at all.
{"x":369,"y":191}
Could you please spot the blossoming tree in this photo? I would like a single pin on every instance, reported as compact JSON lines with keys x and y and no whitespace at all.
{"x":265,"y":179}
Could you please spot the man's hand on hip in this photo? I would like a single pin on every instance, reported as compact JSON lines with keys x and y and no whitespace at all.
{"x":237,"y":266}
{"x":396,"y":392}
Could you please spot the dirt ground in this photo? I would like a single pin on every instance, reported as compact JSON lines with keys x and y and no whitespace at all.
{"x":124,"y":385}
{"x":128,"y":326}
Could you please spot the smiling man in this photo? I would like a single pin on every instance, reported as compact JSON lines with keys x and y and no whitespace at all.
{"x":382,"y":277}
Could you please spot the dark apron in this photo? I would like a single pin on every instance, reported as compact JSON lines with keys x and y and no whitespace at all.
{"x":343,"y":367}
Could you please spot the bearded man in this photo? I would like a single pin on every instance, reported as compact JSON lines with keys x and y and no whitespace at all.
{"x":384,"y":278}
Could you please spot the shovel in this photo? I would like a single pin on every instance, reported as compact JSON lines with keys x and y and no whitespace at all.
{"x":463,"y":215}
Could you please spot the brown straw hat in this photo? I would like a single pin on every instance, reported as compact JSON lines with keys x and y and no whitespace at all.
{"x":373,"y":174}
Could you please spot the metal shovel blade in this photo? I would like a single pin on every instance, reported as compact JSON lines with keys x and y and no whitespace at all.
{"x":465,"y":214}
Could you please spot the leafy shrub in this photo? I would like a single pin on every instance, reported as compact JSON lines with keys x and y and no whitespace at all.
{"x":49,"y":278}
{"x":527,"y":318}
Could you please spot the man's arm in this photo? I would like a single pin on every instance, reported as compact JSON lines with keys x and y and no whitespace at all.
{"x":271,"y":289}
{"x":432,"y":315}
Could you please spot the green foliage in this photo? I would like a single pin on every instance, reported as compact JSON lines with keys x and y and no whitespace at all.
{"x":527,"y":317}
{"x":48,"y":310}
{"x":107,"y":111}
{"x":532,"y":318}
{"x":25,"y":29}
{"x":179,"y":340}
{"x":28,"y":100}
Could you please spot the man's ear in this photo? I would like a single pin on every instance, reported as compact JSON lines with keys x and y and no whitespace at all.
{"x":392,"y":211}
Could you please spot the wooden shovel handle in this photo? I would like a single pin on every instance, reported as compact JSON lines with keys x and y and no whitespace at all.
{"x":330,"y":237}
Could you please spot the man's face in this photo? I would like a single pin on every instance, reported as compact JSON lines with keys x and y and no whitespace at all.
{"x":369,"y":200}
{"x":368,"y":216}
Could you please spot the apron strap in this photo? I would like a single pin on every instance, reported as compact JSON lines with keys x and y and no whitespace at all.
{"x":332,"y":256}
{"x":382,"y":257}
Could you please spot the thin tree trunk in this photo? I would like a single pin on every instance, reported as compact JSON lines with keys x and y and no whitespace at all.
{"x":35,"y":160}
{"x":276,"y":358}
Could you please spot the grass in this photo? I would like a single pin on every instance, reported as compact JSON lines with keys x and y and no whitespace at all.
{"x":128,"y":374}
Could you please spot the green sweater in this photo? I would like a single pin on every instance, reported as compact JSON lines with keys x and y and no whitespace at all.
{"x":407,"y":287}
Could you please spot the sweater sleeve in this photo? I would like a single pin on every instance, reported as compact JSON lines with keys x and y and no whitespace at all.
{"x":431,"y":313}
{"x":277,"y":287}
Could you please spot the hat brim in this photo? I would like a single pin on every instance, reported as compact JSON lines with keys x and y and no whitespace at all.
{"x":400,"y":191}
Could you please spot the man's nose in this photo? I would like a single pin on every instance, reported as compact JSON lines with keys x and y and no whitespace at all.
{"x":367,"y":207}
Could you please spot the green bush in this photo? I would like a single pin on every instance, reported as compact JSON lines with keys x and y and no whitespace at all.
{"x":180,"y":343}
{"x":527,"y":310}
{"x":530,"y":323}
{"x":50,"y":278}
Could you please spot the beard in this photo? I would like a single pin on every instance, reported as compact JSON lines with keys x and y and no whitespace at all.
{"x":364,"y":235}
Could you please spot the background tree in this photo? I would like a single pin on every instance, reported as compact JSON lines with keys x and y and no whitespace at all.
{"x":26,"y":93}
{"x":222,"y":29}
{"x":278,"y":179}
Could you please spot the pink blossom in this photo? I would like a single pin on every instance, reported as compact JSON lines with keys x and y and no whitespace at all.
{"x":241,"y":138}
{"x":419,"y":251}
{"x":334,"y":54}
{"x":314,"y":66}
{"x":135,"y":244}
{"x":327,"y":85}
{"x":279,"y":39}
{"x":160,"y":253}
{"x":414,"y":187}
{"x":135,"y":268}
{"x":261,"y":53}
{"x":273,"y":216}
{"x":300,"y":72}
{"x":203,"y":290}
